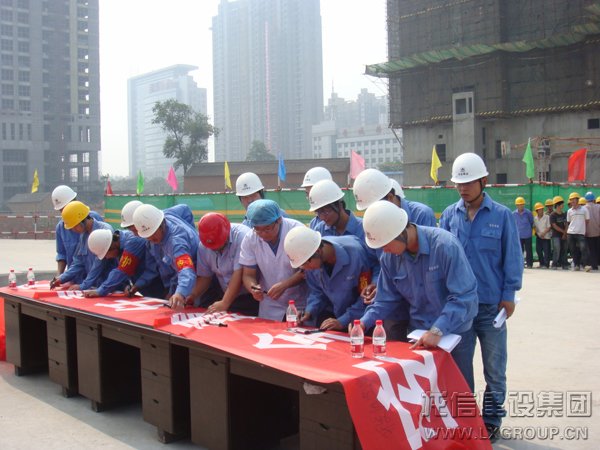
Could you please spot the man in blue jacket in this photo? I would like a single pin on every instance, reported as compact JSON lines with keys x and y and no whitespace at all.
{"x":488,"y":233}
{"x":336,"y":269}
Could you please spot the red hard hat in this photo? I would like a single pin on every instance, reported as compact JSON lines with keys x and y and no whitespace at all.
{"x":214,"y":230}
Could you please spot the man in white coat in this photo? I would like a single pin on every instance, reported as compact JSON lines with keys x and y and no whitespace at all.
{"x":267,"y":273}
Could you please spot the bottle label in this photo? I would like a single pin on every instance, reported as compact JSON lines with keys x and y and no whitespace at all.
{"x":291,"y":320}
{"x":379,"y":350}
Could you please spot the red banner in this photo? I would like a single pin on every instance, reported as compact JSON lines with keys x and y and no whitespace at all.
{"x":409,"y":399}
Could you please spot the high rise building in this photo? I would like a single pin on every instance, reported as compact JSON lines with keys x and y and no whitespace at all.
{"x":486,"y":75}
{"x":50,"y":96}
{"x":146,"y":140}
{"x":267,"y":76}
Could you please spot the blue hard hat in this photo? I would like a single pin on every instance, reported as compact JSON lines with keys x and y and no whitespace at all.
{"x":263,"y":212}
{"x":590,"y":197}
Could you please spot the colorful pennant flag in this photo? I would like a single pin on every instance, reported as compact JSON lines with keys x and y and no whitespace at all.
{"x":140,"y":183}
{"x":357,"y":164}
{"x":108,"y":190}
{"x":281,"y":172}
{"x":528,"y":160}
{"x":36,"y":182}
{"x":435,"y":165}
{"x":576,"y":165}
{"x":172,"y":179}
{"x":227,"y":176}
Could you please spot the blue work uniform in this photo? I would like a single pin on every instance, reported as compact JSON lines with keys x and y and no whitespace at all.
{"x":418,"y":213}
{"x":273,"y":266}
{"x":86,"y":269}
{"x":524,"y":221}
{"x":175,"y":256}
{"x":339,"y":292}
{"x":183,"y":212}
{"x":67,"y":240}
{"x":492,"y":245}
{"x":131,"y":263}
{"x":314,"y":223}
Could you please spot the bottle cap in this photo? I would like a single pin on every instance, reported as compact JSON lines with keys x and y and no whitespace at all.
{"x":292,"y":302}
{"x":356,"y":322}
{"x":12,"y":270}
{"x":379,"y":322}
{"x":30,"y":268}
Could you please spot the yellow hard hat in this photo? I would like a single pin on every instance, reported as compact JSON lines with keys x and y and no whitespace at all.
{"x":519,"y":201}
{"x":549,"y":202}
{"x":74,"y":213}
{"x":573,"y":195}
{"x":598,"y":199}
{"x":582,"y":201}
{"x":557,"y":199}
{"x":537,"y":206}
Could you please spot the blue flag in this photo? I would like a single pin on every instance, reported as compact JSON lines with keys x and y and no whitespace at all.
{"x":281,"y":169}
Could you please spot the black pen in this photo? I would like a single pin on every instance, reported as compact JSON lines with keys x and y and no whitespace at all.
{"x":254,"y":288}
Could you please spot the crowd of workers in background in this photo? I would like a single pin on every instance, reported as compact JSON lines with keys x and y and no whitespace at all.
{"x":396,"y":264}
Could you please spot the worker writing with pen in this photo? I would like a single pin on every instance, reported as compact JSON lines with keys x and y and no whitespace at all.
{"x":267,"y":273}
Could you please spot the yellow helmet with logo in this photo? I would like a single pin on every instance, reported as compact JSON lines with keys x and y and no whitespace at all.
{"x":519,"y":201}
{"x":537,"y":206}
{"x":74,"y":213}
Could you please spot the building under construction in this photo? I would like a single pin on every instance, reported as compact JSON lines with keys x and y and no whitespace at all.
{"x":487,"y":75}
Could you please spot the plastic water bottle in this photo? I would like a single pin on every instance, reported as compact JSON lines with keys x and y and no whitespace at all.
{"x":30,"y":277}
{"x":291,"y":315}
{"x":357,"y":340}
{"x":379,"y":339}
{"x":12,"y":279}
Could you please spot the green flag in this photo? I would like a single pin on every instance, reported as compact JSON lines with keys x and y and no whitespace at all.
{"x":528,"y":160}
{"x":140,"y":183}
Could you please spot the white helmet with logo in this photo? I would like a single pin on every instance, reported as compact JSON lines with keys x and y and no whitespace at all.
{"x":370,"y":185}
{"x":397,"y":189}
{"x":61,"y":196}
{"x":315,"y":175}
{"x":127,"y":213}
{"x":99,"y":242}
{"x":147,"y":219}
{"x":383,"y":222}
{"x":468,"y":167}
{"x":300,"y":244}
{"x":247,"y":183}
{"x":324,"y":193}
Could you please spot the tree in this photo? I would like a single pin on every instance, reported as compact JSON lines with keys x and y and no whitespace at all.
{"x":187,"y":132}
{"x":259,"y":152}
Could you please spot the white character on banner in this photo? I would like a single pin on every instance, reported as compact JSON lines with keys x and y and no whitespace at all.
{"x":70,"y":295}
{"x":265,"y":341}
{"x":134,"y":305}
{"x":414,"y":394}
{"x":202,"y":320}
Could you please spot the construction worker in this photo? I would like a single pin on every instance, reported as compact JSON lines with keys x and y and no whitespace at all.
{"x":549,"y":206}
{"x":488,"y":233}
{"x":327,"y":202}
{"x":181,"y":211}
{"x":66,"y":240}
{"x":249,"y":188}
{"x":372,"y":185}
{"x":543,"y":233}
{"x":311,"y":177}
{"x":578,"y":218}
{"x":219,"y":256}
{"x":425,"y":279}
{"x":85,"y":271}
{"x":174,"y":248}
{"x":337,"y":268}
{"x":524,"y":220}
{"x":558,"y":222}
{"x":130,"y":251}
{"x":592,"y":231}
{"x":267,"y":273}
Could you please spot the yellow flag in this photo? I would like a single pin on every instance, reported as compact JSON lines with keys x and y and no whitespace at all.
{"x":36,"y":182}
{"x":435,"y":165}
{"x":227,"y":176}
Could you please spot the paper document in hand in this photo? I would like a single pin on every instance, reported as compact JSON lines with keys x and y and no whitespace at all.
{"x":447,"y":342}
{"x":501,"y":316}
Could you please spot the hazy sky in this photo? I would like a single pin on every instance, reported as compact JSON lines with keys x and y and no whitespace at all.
{"x":139,"y":36}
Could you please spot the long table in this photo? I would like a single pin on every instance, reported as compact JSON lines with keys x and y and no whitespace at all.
{"x":250,"y":384}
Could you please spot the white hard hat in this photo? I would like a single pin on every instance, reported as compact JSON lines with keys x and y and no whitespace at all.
{"x":99,"y":242}
{"x":300,"y":244}
{"x":147,"y":219}
{"x":127,"y":213}
{"x":397,"y":189}
{"x":247,"y":183}
{"x":468,"y":167}
{"x":370,"y":185}
{"x":61,"y":196}
{"x":323,"y":193}
{"x":314,"y":175}
{"x":383,"y":222}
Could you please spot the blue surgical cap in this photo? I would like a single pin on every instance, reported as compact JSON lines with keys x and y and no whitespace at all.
{"x":263,"y":212}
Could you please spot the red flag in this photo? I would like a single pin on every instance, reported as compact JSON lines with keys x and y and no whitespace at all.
{"x":108,"y":190}
{"x":577,"y":165}
{"x":172,"y":179}
{"x":357,"y":164}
